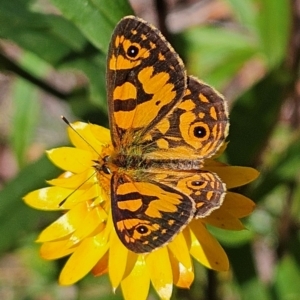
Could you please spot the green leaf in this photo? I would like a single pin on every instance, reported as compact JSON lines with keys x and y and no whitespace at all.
{"x":18,"y":13}
{"x":26,"y":109}
{"x":254,"y":289}
{"x":66,"y":32}
{"x":274,"y":23}
{"x":94,"y":68}
{"x":34,"y":65}
{"x":114,"y":10}
{"x":252,"y":118}
{"x":287,"y":279}
{"x":283,"y":171}
{"x":49,"y":37}
{"x":95,"y":19}
{"x":246,"y":14}
{"x":211,"y":57}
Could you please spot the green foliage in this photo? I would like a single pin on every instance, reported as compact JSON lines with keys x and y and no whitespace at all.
{"x":76,"y":40}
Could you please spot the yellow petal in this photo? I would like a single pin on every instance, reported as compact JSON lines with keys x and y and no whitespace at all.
{"x":206,"y":249}
{"x":102,"y":265}
{"x":109,"y":226}
{"x":81,"y":181}
{"x":238,"y":205}
{"x":180,"y":250}
{"x":77,"y":196}
{"x":47,"y":198}
{"x":208,"y":163}
{"x":71,"y":159}
{"x":160,"y":270}
{"x":91,"y":193}
{"x":101,"y":133}
{"x":235,"y":176}
{"x":85,"y":257}
{"x":103,"y":196}
{"x":79,"y":135}
{"x":56,"y":198}
{"x":183,"y":277}
{"x":117,"y":263}
{"x":88,"y":136}
{"x":65,"y":225}
{"x":93,"y":221}
{"x":55,"y":250}
{"x":136,"y":285}
{"x":224,"y":219}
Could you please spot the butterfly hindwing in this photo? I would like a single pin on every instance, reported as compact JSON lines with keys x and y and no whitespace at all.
{"x":148,"y":214}
{"x":205,"y":188}
{"x":194,"y":129}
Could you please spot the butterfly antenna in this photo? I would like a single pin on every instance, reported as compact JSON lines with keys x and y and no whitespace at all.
{"x":64,"y":200}
{"x":70,"y":125}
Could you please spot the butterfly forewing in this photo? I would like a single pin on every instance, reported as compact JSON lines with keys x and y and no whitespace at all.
{"x":145,"y":79}
{"x":148,"y":214}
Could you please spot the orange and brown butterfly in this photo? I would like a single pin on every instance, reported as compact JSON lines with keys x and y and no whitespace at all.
{"x":164,"y":124}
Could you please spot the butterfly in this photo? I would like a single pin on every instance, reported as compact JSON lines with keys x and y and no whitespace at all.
{"x":163,"y":124}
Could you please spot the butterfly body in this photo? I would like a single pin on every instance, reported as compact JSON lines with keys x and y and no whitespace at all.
{"x":163,"y":125}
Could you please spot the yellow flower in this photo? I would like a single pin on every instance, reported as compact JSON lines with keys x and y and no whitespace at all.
{"x":85,"y":230}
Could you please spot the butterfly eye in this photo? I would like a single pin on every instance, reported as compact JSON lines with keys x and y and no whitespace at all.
{"x":106,"y":169}
{"x":133,"y":51}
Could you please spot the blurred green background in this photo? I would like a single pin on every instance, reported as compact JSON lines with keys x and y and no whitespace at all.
{"x":52,"y":59}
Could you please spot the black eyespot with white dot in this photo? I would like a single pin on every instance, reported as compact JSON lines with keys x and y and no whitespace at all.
{"x":196,"y":183}
{"x":199,"y":132}
{"x":142,"y":229}
{"x":132,"y":51}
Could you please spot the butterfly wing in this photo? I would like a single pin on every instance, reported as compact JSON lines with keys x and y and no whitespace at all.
{"x":194,"y":129}
{"x":205,"y":188}
{"x":145,"y":79}
{"x":148,"y":214}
